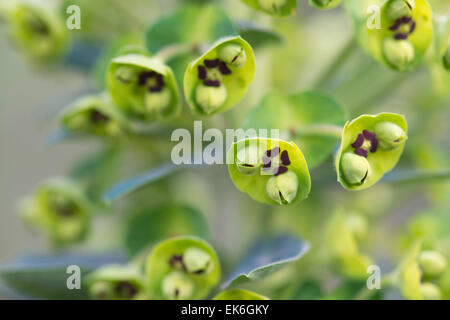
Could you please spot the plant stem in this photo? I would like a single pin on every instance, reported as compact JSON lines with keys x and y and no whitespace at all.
{"x":339,"y":60}
{"x":410,"y":176}
{"x":326,"y":130}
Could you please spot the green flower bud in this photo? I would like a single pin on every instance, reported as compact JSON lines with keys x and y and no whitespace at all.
{"x":158,"y":102}
{"x":197,"y":261}
{"x":219,"y":79}
{"x":210,"y":98}
{"x":284,"y":176}
{"x":37,"y":27}
{"x":93,"y":114}
{"x":142,"y":87}
{"x":433,"y":263}
{"x":177,"y":286}
{"x":59,"y":209}
{"x":361,"y":160}
{"x":233,"y":55}
{"x":126,"y":74}
{"x":174,"y":269}
{"x":356,"y":169}
{"x":115,"y":282}
{"x":248,"y":160}
{"x":389,"y":135}
{"x":399,"y":53}
{"x":446,"y":59}
{"x":400,"y":8}
{"x":283,"y":188}
{"x":430,"y":291}
{"x":271,"y":5}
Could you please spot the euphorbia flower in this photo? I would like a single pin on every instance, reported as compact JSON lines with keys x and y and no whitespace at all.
{"x":93,"y":114}
{"x":59,"y":209}
{"x":36,"y":27}
{"x":143,"y":87}
{"x":404,"y":35}
{"x":219,"y":79}
{"x":182,"y":268}
{"x":370,"y":147}
{"x":116,"y":282}
{"x":270,"y":171}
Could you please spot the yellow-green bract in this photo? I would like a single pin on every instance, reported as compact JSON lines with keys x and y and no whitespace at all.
{"x":36,"y":27}
{"x":403,"y":37}
{"x":115,"y":282}
{"x":143,"y":87}
{"x":341,"y":242}
{"x":167,"y":268}
{"x":93,"y":114}
{"x":239,"y":294}
{"x":232,"y":81}
{"x":273,"y":7}
{"x":325,"y":4}
{"x":267,"y":183}
{"x":379,"y":161}
{"x":59,"y":209}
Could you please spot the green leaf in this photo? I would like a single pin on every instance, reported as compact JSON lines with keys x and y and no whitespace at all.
{"x":409,"y":275}
{"x":234,"y":86}
{"x":239,"y":294}
{"x":277,"y":8}
{"x":380,"y":161}
{"x":190,"y":25}
{"x":311,"y":119}
{"x":258,"y":36}
{"x":266,"y":257}
{"x":159,"y":269}
{"x":127,"y":186}
{"x":45,"y":277}
{"x":150,"y":226}
{"x":257,"y":183}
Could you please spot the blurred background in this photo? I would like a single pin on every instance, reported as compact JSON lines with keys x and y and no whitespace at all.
{"x":31,"y":96}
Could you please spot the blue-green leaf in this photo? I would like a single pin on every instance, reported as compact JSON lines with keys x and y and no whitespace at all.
{"x":266,"y":257}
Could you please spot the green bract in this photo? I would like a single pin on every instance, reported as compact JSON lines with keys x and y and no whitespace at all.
{"x":404,"y":35}
{"x":93,"y":114}
{"x":36,"y":27}
{"x":371,"y":146}
{"x":182,"y":268}
{"x":59,"y":209}
{"x":116,"y":282}
{"x":311,"y":119}
{"x":279,"y":175}
{"x":408,"y":274}
{"x":325,"y":4}
{"x":342,"y":237}
{"x":273,"y":7}
{"x":143,"y":87}
{"x":239,"y":294}
{"x":219,"y":79}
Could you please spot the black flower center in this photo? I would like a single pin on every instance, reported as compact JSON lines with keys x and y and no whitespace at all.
{"x":403,"y":27}
{"x":212,"y":71}
{"x":360,"y":148}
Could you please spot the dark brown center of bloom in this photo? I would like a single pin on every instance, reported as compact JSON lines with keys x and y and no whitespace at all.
{"x":125,"y":289}
{"x":176,"y":262}
{"x":360,"y":148}
{"x":97,"y":117}
{"x":210,"y":79}
{"x":153,"y":80}
{"x":284,"y":160}
{"x":403,"y":27}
